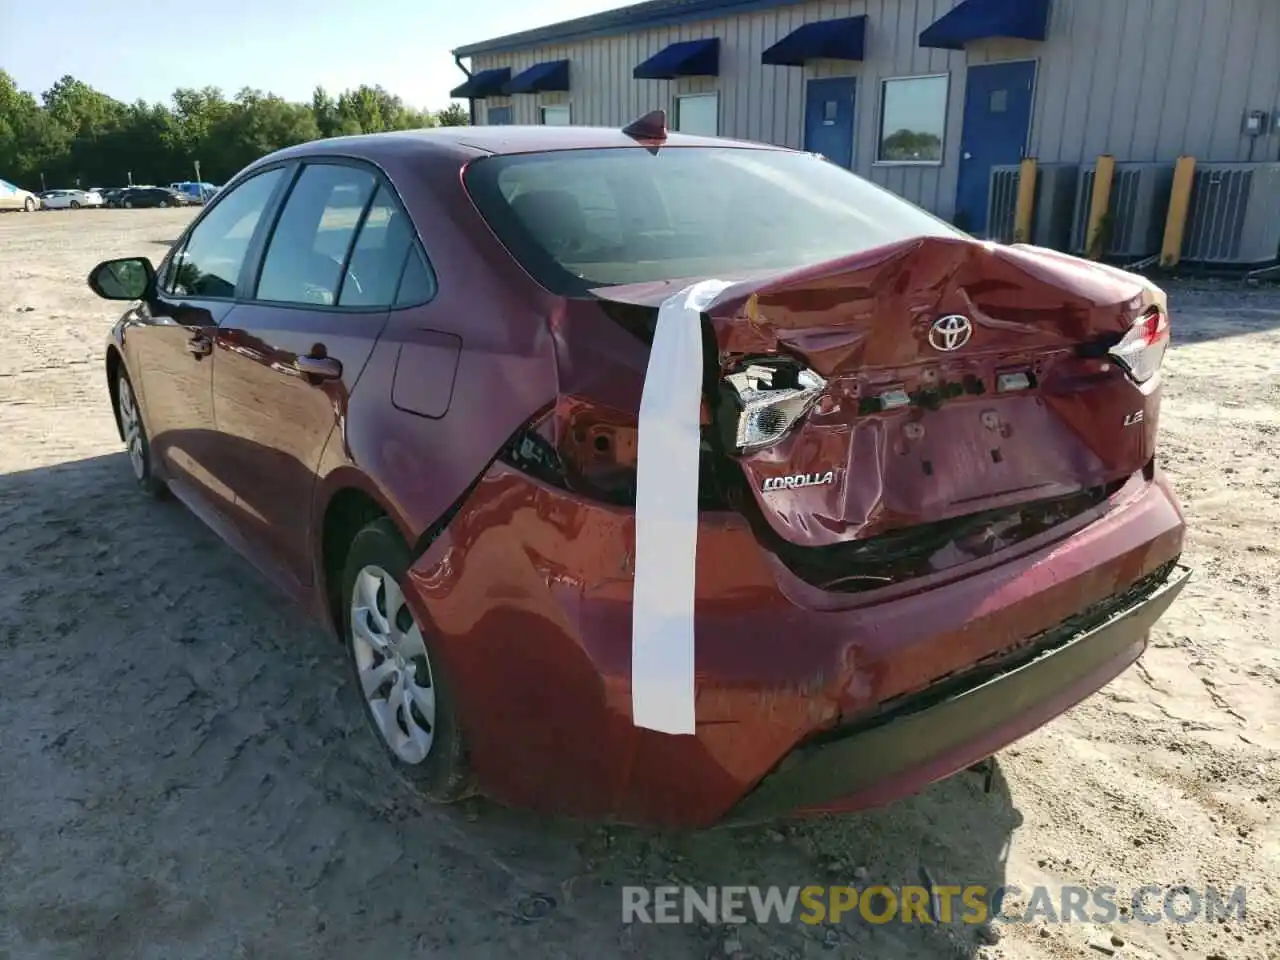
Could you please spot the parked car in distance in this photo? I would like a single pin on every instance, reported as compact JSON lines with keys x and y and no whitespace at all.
{"x":152,"y":197}
{"x":195,"y":191}
{"x":70,"y":199}
{"x":15,"y":198}
{"x":403,"y":374}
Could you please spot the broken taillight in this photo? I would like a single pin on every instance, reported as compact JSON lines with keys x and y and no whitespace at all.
{"x":592,"y":450}
{"x":764,"y":399}
{"x":1141,"y":350}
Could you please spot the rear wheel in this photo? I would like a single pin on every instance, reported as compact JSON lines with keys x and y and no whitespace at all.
{"x":406,"y":698}
{"x":136,"y":443}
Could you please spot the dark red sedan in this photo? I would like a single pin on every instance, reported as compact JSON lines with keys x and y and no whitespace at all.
{"x":658,"y":477}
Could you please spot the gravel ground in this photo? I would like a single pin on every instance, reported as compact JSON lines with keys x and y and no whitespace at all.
{"x":181,"y":774}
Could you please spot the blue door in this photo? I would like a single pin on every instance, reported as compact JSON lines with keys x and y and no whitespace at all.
{"x":499,"y":116}
{"x":997,"y":119}
{"x":828,"y":118}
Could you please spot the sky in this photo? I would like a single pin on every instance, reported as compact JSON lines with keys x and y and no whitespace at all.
{"x":148,"y":48}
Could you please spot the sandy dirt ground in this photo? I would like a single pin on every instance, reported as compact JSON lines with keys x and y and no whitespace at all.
{"x":182,"y":774}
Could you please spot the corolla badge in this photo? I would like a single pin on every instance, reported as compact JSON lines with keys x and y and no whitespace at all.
{"x":797,"y":480}
{"x":950,"y":333}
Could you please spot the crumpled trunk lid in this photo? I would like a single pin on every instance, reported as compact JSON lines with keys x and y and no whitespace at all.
{"x":924,"y":419}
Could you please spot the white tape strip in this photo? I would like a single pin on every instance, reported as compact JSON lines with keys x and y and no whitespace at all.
{"x":662,"y":642}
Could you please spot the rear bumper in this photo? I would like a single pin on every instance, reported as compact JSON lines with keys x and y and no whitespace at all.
{"x":528,"y":594}
{"x":954,"y":725}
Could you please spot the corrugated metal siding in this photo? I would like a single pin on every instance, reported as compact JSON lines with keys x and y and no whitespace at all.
{"x":1140,"y":79}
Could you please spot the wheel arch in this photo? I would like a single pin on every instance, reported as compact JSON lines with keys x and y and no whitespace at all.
{"x":347,"y":503}
{"x":115,"y":364}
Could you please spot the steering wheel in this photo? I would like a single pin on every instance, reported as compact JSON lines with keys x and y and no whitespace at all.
{"x":322,"y":294}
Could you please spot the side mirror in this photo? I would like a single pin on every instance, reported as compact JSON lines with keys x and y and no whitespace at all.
{"x":130,"y":278}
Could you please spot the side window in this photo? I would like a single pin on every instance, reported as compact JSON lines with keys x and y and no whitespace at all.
{"x":378,"y":256}
{"x":311,"y":239}
{"x":209,"y":265}
{"x":418,"y":283}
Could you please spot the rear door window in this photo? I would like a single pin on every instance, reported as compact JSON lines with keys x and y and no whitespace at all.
{"x":312,"y":238}
{"x":378,"y":257}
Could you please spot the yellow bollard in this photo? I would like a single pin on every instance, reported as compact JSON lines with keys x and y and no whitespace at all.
{"x":1175,"y":224}
{"x":1103,"y":175}
{"x":1025,"y":210}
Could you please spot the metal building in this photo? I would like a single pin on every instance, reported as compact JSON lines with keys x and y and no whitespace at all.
{"x":923,"y":96}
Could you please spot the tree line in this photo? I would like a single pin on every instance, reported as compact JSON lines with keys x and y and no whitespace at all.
{"x":74,"y":135}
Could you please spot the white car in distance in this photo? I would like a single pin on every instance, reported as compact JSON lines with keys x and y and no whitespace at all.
{"x":70,"y":199}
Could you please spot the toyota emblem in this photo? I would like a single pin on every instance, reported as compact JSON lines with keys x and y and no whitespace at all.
{"x":950,"y":333}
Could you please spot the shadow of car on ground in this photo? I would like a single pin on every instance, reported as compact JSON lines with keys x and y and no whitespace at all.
{"x":187,"y":773}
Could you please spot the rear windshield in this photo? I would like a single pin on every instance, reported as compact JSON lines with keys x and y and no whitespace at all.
{"x":578,"y":219}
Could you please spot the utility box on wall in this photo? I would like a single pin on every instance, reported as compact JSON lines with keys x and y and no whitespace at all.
{"x":1136,"y":214}
{"x":1234,"y":219}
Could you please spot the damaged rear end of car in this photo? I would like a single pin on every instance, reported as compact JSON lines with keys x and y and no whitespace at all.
{"x":931,"y":515}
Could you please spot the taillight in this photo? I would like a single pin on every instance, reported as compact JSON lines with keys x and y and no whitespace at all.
{"x":764,"y":400}
{"x":592,"y":450}
{"x":1141,"y":350}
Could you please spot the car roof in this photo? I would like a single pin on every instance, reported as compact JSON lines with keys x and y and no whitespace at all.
{"x":467,"y":142}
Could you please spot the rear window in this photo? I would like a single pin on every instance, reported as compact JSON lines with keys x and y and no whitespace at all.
{"x":578,"y":219}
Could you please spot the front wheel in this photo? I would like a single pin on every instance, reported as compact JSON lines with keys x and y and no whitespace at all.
{"x":75,"y":204}
{"x":407,"y":700}
{"x":162,"y":204}
{"x":29,"y":205}
{"x":136,"y":442}
{"x":128,"y":204}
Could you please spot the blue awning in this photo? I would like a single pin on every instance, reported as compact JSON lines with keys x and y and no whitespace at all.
{"x":692,"y":58}
{"x":841,"y":39}
{"x":485,"y":83}
{"x":540,"y":78}
{"x":982,"y":19}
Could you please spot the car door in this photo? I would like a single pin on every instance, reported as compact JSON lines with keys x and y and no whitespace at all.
{"x":288,"y":359}
{"x":171,"y":350}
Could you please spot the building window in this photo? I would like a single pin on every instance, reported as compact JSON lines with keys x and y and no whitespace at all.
{"x":913,"y":120}
{"x":556,"y":116}
{"x":699,"y":114}
{"x":498,"y":116}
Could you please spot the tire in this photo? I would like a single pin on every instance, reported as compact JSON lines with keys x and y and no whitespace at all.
{"x":128,"y":204}
{"x":440,"y":771}
{"x":75,"y":204}
{"x":137,"y":445}
{"x":29,"y":205}
{"x":162,"y":204}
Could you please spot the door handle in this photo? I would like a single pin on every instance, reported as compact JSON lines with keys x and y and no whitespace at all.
{"x":321,"y":368}
{"x":968,"y":155}
{"x":199,"y":346}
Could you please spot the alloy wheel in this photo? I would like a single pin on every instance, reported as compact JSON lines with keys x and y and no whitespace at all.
{"x":392,"y":664}
{"x":131,"y":427}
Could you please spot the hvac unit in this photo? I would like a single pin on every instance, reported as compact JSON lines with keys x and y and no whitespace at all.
{"x":1235,"y":214}
{"x":1136,"y":214}
{"x":1055,"y":202}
